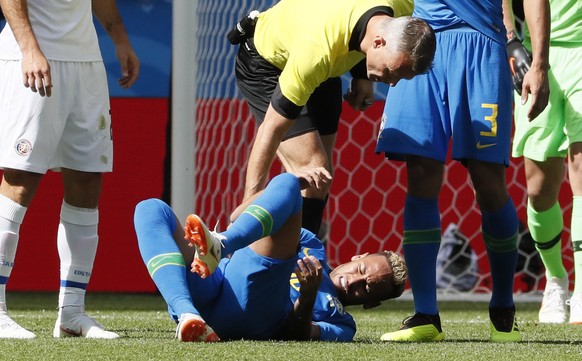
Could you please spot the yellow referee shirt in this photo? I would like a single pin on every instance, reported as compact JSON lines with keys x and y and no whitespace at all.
{"x":313,"y":40}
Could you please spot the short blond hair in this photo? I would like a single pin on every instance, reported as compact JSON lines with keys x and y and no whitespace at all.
{"x":399,"y":271}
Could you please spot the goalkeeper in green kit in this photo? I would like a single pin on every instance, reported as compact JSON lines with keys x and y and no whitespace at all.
{"x":544,"y":143}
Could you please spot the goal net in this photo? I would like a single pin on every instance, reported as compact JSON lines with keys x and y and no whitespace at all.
{"x":365,"y":208}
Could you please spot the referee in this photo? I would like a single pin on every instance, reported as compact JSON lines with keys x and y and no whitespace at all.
{"x":288,"y":70}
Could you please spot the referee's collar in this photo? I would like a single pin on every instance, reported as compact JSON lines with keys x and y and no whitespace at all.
{"x":360,"y":28}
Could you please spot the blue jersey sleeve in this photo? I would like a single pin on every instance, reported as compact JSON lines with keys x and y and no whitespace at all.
{"x":338,"y":329}
{"x":310,"y":245}
{"x":335,"y":324}
{"x":328,"y":313}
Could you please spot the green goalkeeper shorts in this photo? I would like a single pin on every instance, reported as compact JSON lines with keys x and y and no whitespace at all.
{"x":560,"y":124}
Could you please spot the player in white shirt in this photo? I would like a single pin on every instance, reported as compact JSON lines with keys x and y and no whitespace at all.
{"x":54,"y":106}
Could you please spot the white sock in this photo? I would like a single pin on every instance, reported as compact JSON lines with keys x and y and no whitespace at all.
{"x":11,"y":217}
{"x":77,"y":245}
{"x":8,"y":243}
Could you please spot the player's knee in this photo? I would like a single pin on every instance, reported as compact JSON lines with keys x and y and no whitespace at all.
{"x":287,"y":181}
{"x":152,"y":208}
{"x":541,"y":201}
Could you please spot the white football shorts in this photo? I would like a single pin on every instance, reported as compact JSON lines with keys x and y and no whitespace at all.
{"x":70,"y":129}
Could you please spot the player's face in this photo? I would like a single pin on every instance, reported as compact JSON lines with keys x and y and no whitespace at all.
{"x":365,"y":279}
{"x":388,"y":66}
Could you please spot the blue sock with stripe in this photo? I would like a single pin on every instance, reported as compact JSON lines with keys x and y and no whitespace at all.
{"x":422,"y":238}
{"x":266,"y":214}
{"x":500,"y":229}
{"x":155,"y":224}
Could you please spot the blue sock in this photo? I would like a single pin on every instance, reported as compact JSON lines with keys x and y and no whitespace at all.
{"x":422,"y":238}
{"x":266,"y":214}
{"x":500,"y":230}
{"x":154,"y":224}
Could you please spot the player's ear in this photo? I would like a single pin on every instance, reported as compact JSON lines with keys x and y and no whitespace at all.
{"x":371,"y":304}
{"x":379,"y":41}
{"x":358,"y":256}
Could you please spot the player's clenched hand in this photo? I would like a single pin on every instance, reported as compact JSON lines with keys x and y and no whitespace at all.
{"x":313,"y":177}
{"x":361,"y":94}
{"x":36,"y":73}
{"x":309,"y":273}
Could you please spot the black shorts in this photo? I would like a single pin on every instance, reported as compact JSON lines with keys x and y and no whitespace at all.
{"x":257,"y":80}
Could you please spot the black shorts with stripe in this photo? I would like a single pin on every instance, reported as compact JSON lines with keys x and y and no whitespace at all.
{"x":257,"y":80}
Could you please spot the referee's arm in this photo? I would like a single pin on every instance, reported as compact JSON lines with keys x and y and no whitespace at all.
{"x":267,"y":141}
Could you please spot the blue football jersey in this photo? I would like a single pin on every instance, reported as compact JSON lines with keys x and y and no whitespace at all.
{"x":334,"y":322}
{"x":485,"y":16}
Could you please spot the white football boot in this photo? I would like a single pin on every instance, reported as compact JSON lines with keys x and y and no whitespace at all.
{"x":208,"y":245}
{"x":9,"y":328}
{"x":74,"y":322}
{"x":575,"y":304}
{"x":553,"y":309}
{"x":192,"y":328}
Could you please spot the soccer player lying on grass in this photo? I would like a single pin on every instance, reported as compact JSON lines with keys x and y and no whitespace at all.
{"x":275,"y":282}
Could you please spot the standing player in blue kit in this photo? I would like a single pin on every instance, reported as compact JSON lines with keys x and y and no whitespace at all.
{"x":466,"y":97}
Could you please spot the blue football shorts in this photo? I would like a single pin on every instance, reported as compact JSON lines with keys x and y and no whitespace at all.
{"x":466,"y":96}
{"x":247,"y":296}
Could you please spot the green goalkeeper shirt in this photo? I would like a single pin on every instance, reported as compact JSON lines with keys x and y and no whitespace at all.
{"x":311,"y":41}
{"x":566,"y":24}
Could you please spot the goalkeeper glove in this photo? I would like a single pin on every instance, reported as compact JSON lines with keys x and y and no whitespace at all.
{"x":519,"y":60}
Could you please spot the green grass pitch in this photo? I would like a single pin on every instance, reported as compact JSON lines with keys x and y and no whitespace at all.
{"x":148,"y":334}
